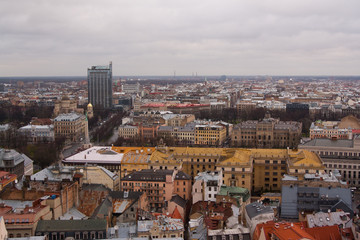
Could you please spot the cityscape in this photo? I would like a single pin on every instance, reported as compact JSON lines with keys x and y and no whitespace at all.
{"x":241,"y":122}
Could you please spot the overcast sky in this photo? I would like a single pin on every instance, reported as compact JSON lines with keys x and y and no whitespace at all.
{"x":232,"y":37}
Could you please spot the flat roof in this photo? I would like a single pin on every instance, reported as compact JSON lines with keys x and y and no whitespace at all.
{"x":96,"y":154}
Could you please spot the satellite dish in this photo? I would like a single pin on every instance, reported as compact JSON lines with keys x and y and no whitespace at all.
{"x":116,"y":227}
{"x":81,"y":170}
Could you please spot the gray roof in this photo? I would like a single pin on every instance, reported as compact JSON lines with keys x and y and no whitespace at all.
{"x":289,"y":202}
{"x":71,"y":225}
{"x":178,"y":200}
{"x":10,"y":154}
{"x":154,"y":175}
{"x":103,"y":208}
{"x":67,"y":117}
{"x":324,"y":142}
{"x":254,"y":209}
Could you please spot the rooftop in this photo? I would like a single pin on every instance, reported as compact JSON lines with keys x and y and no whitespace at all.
{"x":97,"y":155}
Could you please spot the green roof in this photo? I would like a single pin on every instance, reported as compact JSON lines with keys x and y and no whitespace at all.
{"x":235,"y":192}
{"x":71,"y":225}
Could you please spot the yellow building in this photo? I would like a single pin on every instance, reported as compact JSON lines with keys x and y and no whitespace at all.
{"x":134,"y":159}
{"x":213,"y":135}
{"x":254,"y":169}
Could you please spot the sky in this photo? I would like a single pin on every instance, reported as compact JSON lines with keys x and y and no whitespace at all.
{"x":203,"y":37}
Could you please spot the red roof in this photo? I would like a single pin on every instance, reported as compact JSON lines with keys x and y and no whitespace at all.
{"x":325,"y":233}
{"x":176,"y":214}
{"x":153,"y":105}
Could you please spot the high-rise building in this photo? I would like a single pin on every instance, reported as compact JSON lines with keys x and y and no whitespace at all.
{"x":100,"y":86}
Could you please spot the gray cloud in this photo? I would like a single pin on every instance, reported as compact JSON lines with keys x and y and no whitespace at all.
{"x":48,"y":37}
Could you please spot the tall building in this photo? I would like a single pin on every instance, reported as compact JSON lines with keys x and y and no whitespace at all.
{"x":100,"y":86}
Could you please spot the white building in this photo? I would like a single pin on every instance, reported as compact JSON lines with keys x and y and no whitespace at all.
{"x":206,"y":186}
{"x":38,"y":133}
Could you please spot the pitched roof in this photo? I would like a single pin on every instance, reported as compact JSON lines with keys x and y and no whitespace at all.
{"x":176,"y":214}
{"x":325,"y":233}
{"x":178,"y":200}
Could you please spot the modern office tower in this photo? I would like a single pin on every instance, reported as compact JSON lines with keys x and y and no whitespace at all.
{"x":100,"y":86}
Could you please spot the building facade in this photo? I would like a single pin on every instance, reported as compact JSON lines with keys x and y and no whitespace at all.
{"x":100,"y":86}
{"x":71,"y":126}
{"x":342,"y":155}
{"x":268,"y":133}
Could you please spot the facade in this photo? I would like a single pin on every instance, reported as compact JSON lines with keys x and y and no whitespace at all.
{"x":328,"y":129}
{"x":254,"y":169}
{"x":71,"y":126}
{"x":268,"y":133}
{"x":38,"y":133}
{"x":342,"y":155}
{"x":21,"y":220}
{"x":213,"y":135}
{"x":128,"y":131}
{"x":66,"y":105}
{"x":131,"y":88}
{"x":76,"y":229}
{"x":181,"y":135}
{"x":316,"y":192}
{"x":13,"y":162}
{"x":100,"y":86}
{"x":159,"y":185}
{"x":206,"y":186}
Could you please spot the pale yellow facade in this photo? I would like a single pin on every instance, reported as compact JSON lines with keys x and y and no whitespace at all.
{"x":254,"y":169}
{"x":210,"y":135}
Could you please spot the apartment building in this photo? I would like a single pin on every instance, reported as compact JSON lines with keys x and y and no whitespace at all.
{"x":38,"y":133}
{"x":206,"y":186}
{"x":21,"y":218}
{"x":71,"y":126}
{"x":213,"y":135}
{"x":254,"y":169}
{"x":314,"y":193}
{"x":329,"y":129}
{"x":159,"y":185}
{"x":268,"y":133}
{"x":128,"y":131}
{"x":342,"y":155}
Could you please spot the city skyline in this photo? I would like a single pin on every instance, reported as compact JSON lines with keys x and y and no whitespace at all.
{"x":160,"y":38}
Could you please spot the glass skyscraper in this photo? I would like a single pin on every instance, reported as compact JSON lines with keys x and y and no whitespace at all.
{"x":100,"y":86}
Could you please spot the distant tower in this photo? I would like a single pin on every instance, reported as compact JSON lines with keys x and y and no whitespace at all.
{"x":90,"y":111}
{"x":100,"y":86}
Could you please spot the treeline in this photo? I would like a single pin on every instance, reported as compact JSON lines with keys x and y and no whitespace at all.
{"x":19,"y":116}
{"x":43,"y":153}
{"x":105,"y":130}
